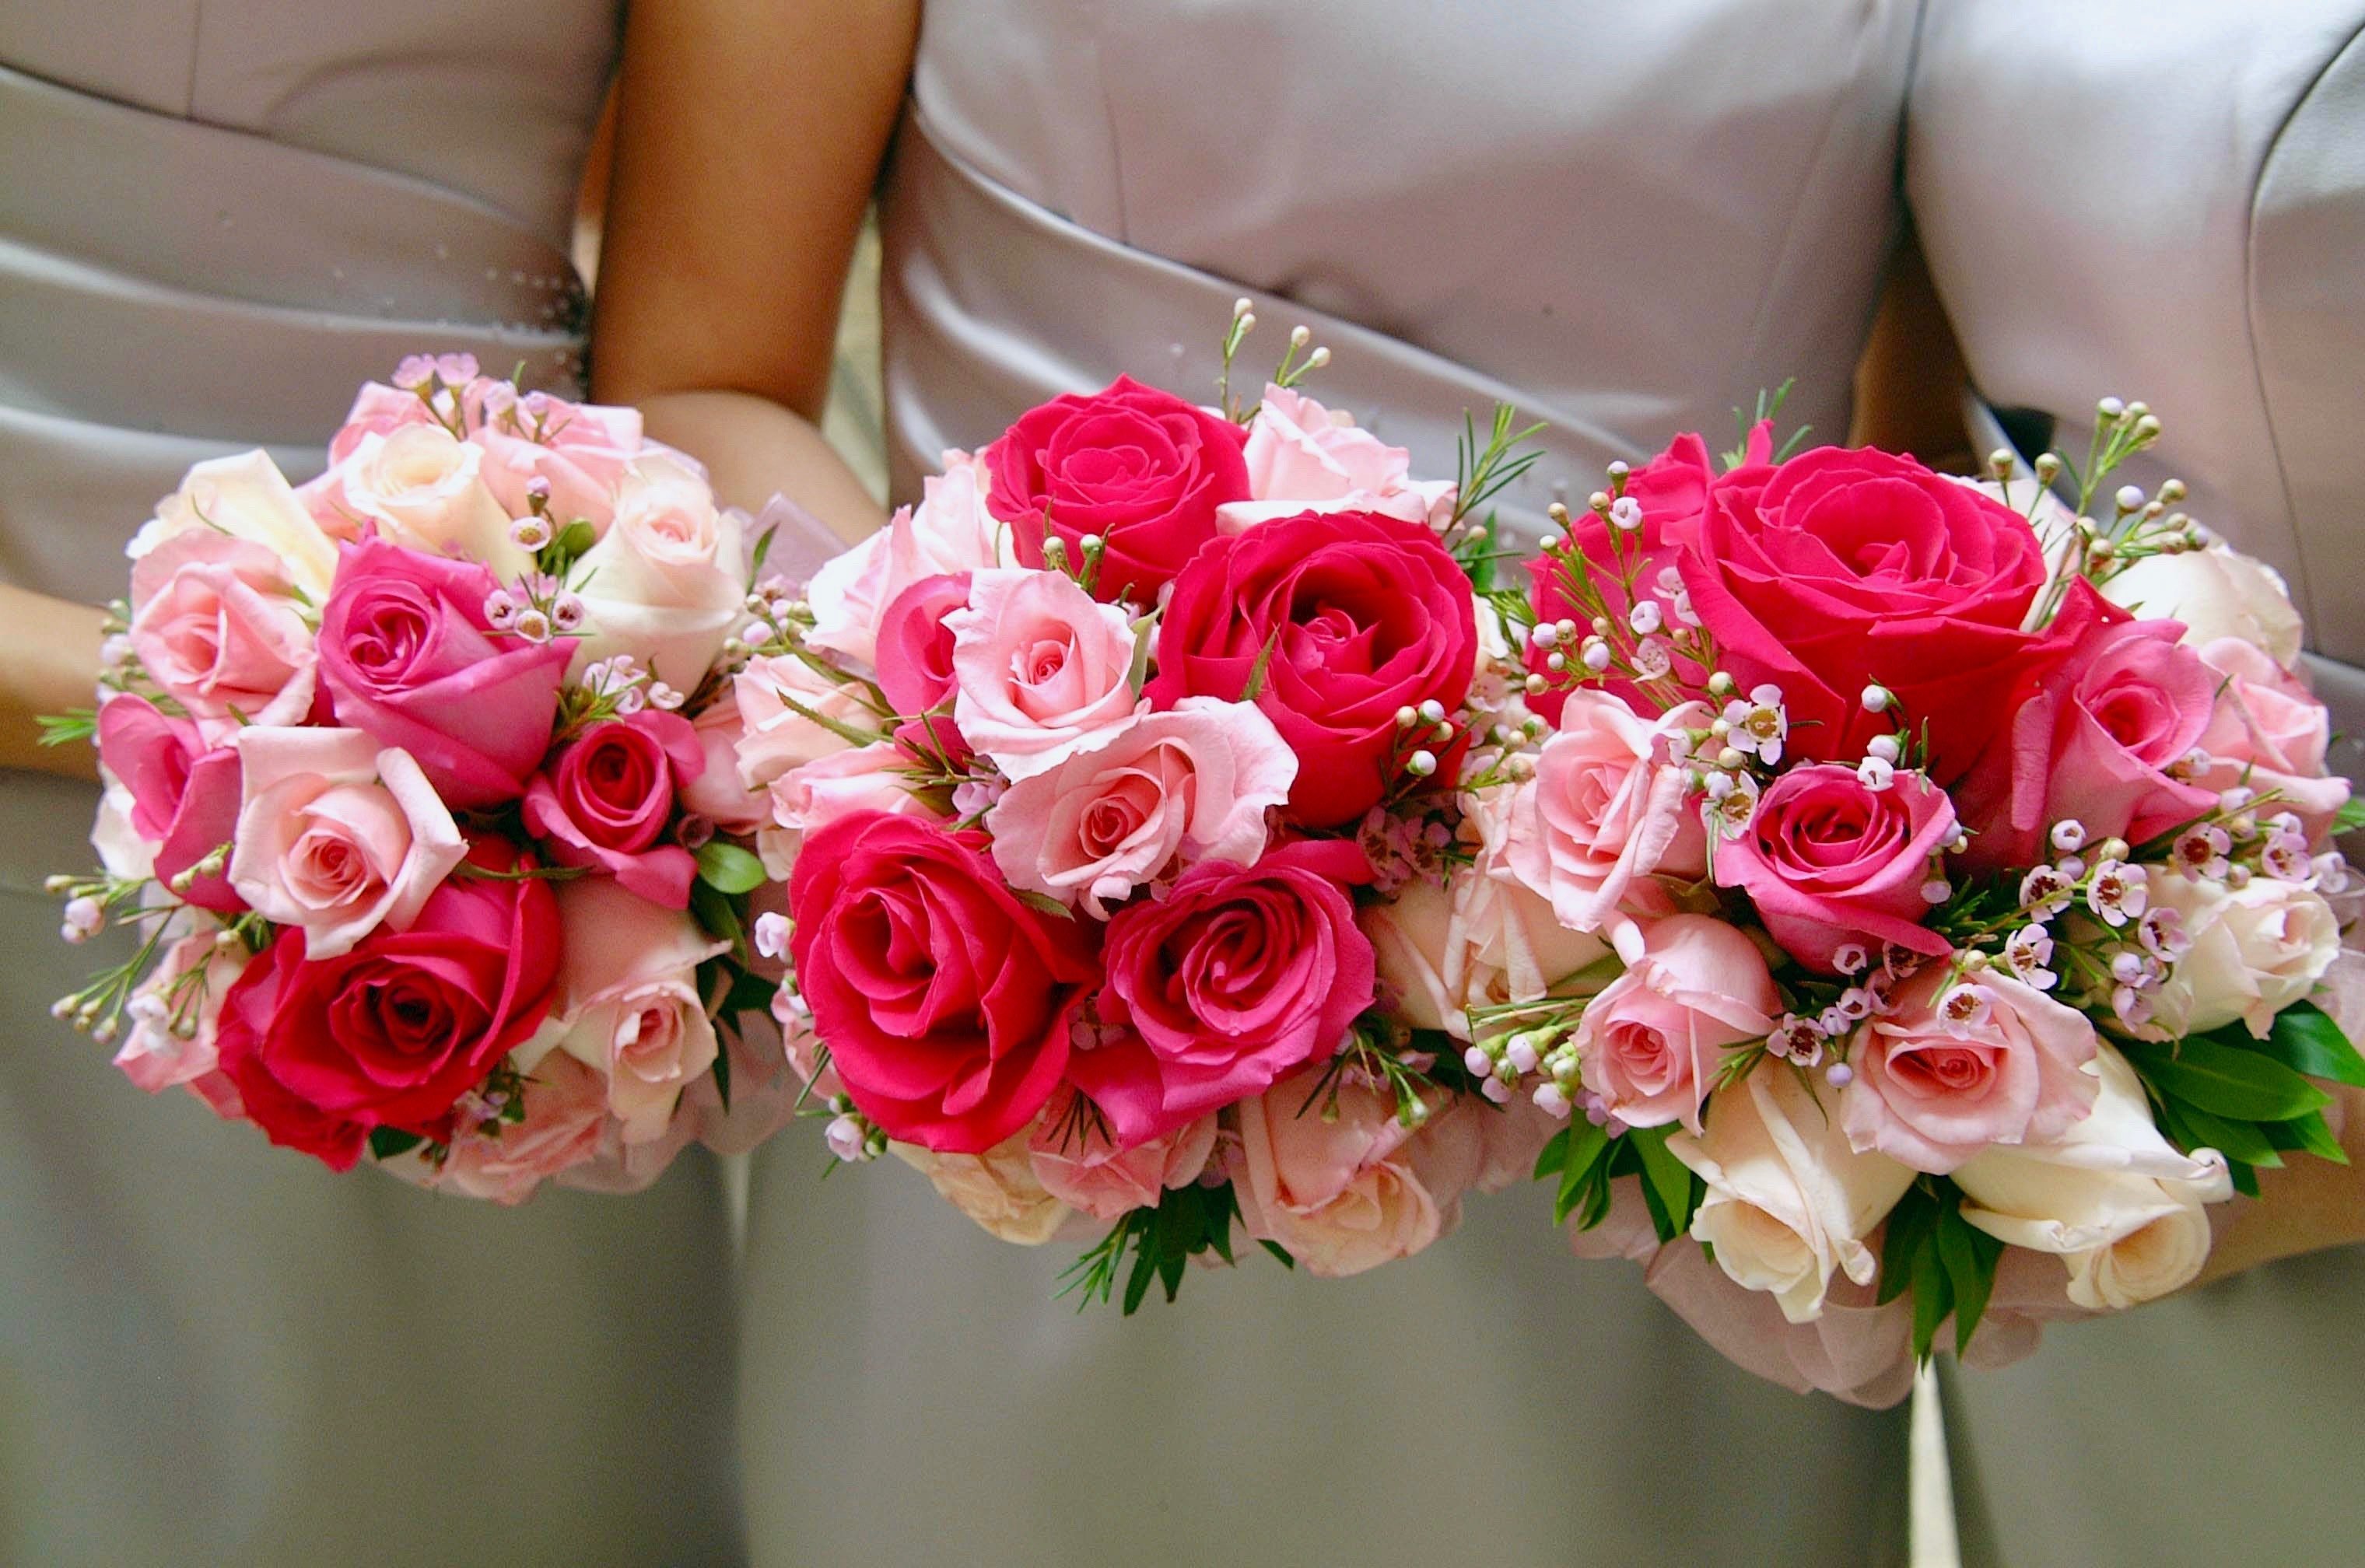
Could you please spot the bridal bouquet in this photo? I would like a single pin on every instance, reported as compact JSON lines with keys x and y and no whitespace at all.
{"x":1966,"y":855}
{"x":418,"y":800}
{"x":1105,"y":782}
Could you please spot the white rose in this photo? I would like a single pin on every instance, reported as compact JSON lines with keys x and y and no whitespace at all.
{"x":2256,"y":950}
{"x":2217,"y":593}
{"x":2120,"y":1206}
{"x":1788,"y":1202}
{"x":997,"y":1189}
{"x":423,"y":489}
{"x":664,"y":583}
{"x":949,"y":531}
{"x":246,"y":497}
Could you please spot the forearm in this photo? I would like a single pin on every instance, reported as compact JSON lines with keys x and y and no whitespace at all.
{"x":49,"y":663}
{"x":2307,"y":1205}
{"x":755,"y":449}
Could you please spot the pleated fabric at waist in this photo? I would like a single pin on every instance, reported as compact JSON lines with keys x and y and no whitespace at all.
{"x":172,"y":291}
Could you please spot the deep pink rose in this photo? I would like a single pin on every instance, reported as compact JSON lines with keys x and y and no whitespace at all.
{"x":943,"y":1000}
{"x":1649,"y":1045}
{"x":216,"y":624}
{"x":1960,"y":1064}
{"x":606,"y":797}
{"x":409,"y":657}
{"x":1844,"y":569}
{"x":392,"y":1033}
{"x":1353,"y":616}
{"x":915,"y":646}
{"x":1141,"y":468}
{"x":1239,"y":976}
{"x":185,"y":798}
{"x":2124,"y":703}
{"x":1829,"y":860}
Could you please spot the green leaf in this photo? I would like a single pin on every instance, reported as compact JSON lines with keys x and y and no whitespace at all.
{"x":722,"y":1070}
{"x":1137,"y":674}
{"x":2306,"y":1040}
{"x":1933,"y":1298}
{"x":390,"y":1143}
{"x":2350,"y":816}
{"x":2245,"y":1178}
{"x":716,"y":917}
{"x":728,"y":868}
{"x":1255,"y":686}
{"x":1042,"y":904}
{"x":576,"y":538}
{"x":1910,"y":1225}
{"x":1667,"y":1179}
{"x":1970,"y":1256}
{"x":763,"y":549}
{"x":2311,"y":1133}
{"x":1554,"y":1153}
{"x":1586,"y":1146}
{"x":2226,"y":1081}
{"x":1278,"y":1251}
{"x":2196,"y":1128}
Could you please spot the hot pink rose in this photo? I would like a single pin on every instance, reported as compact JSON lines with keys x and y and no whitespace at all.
{"x":409,"y":657}
{"x":716,"y":794}
{"x":1140,"y":469}
{"x":394,"y":1032}
{"x":628,"y":996}
{"x":337,"y":836}
{"x":1961,"y":1064}
{"x":1648,"y":1044}
{"x":1829,"y":861}
{"x":2270,"y":734}
{"x":566,"y":1119}
{"x":1078,"y":1164}
{"x":1240,"y":974}
{"x":915,"y":644}
{"x":1040,"y":668}
{"x":943,"y":1000}
{"x":2124,"y":702}
{"x":1339,"y":620}
{"x":177,"y":1014}
{"x":605,"y":801}
{"x":214,"y":623}
{"x":1346,"y":1187}
{"x":185,"y":796}
{"x":579,"y":450}
{"x":1605,"y":808}
{"x":1139,"y":802}
{"x":1843,"y":568}
{"x":1303,"y":457}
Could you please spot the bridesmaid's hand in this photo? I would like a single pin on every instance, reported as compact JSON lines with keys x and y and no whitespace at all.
{"x":49,"y":663}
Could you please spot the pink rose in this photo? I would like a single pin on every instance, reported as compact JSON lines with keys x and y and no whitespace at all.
{"x":1605,"y":808}
{"x":409,"y":657}
{"x":1648,"y":1044}
{"x":185,"y":798}
{"x":176,"y":1013}
{"x":1960,"y":1064}
{"x":1140,"y":469}
{"x":1346,"y":1187}
{"x":876,"y":777}
{"x":579,"y":450}
{"x":566,"y":1118}
{"x":1040,"y":667}
{"x":1135,"y":804}
{"x":1828,"y":860}
{"x":628,"y":997}
{"x":717,"y":792}
{"x":949,"y":531}
{"x":2268,"y":733}
{"x":1240,"y":974}
{"x":337,"y":836}
{"x":667,"y":581}
{"x":1303,"y":457}
{"x":915,"y":644}
{"x":606,"y":798}
{"x":2095,"y":739}
{"x":1078,"y":1165}
{"x":783,"y":702}
{"x":214,"y":623}
{"x":421,"y":487}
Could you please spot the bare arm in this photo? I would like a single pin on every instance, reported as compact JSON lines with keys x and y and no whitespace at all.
{"x":49,"y":663}
{"x":748,"y":139}
{"x":1909,"y":385}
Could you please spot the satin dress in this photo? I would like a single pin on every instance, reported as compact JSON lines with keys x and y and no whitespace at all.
{"x":1627,"y":218}
{"x":2165,"y":199}
{"x":217,"y":220}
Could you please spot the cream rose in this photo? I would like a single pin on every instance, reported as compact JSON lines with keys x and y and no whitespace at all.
{"x":247,"y":498}
{"x":2120,"y":1206}
{"x":422,"y":486}
{"x":628,"y":1001}
{"x":997,"y":1189}
{"x":1788,"y":1202}
{"x":664,"y":582}
{"x":2255,"y":950}
{"x":2217,"y":592}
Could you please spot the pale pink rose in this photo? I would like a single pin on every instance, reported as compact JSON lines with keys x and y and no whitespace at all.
{"x":665,"y":581}
{"x":718,"y":793}
{"x":1078,"y":1163}
{"x":949,"y":531}
{"x":2341,"y":991}
{"x":565,"y":1115}
{"x":1649,"y":1045}
{"x":2217,"y":593}
{"x":1962,"y":1064}
{"x":579,"y":450}
{"x":378,"y":410}
{"x":337,"y":835}
{"x":176,"y":1011}
{"x":2112,"y":1198}
{"x":1347,"y":1191}
{"x":806,"y":800}
{"x":1788,"y":1202}
{"x":246,"y":497}
{"x":1042,"y":667}
{"x":1509,"y":1138}
{"x":216,"y":623}
{"x":2255,"y":950}
{"x":421,"y":488}
{"x":1604,"y":809}
{"x":1303,"y":457}
{"x":2268,"y":734}
{"x":1136,"y":803}
{"x":997,"y":1189}
{"x":782,"y":703}
{"x":628,"y":1001}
